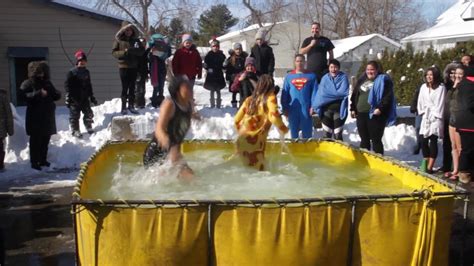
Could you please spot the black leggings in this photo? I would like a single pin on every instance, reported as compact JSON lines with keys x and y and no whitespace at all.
{"x":128,"y":76}
{"x":39,"y":148}
{"x":332,"y":124}
{"x":371,"y":131}
{"x":466,"y":160}
{"x":447,"y":157}
{"x":429,"y":146}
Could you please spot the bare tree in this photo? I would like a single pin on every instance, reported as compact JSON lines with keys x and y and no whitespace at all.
{"x":150,"y":14}
{"x":344,"y":18}
{"x":270,"y":11}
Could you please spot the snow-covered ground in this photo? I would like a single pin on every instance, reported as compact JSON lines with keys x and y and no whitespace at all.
{"x":66,"y":153}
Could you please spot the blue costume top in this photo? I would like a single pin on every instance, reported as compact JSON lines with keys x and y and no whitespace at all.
{"x":299,"y":91}
{"x":297,"y":97}
{"x":333,"y":89}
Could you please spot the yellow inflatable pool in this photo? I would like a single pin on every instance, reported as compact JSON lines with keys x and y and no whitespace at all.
{"x":403,"y":228}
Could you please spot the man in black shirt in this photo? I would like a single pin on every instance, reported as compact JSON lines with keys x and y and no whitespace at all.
{"x":316,"y":47}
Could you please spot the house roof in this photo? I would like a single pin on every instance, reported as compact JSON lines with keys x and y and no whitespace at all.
{"x":454,"y":22}
{"x":87,"y":11}
{"x":253,"y":27}
{"x":343,"y":46}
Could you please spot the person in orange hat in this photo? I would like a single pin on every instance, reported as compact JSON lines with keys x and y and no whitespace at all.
{"x":79,"y":95}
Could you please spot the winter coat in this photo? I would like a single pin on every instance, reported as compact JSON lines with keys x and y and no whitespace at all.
{"x":127,"y":50}
{"x":414,"y":101}
{"x":6,"y":117}
{"x":78,"y":86}
{"x":465,"y":108}
{"x":247,"y":84}
{"x":264,"y":59}
{"x":40,"y":111}
{"x":187,"y":62}
{"x":213,"y":63}
{"x":234,"y":64}
{"x":385,"y":104}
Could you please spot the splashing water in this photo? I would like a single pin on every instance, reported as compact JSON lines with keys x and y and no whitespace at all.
{"x":218,"y":177}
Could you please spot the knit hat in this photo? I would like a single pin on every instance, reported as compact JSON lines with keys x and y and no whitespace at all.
{"x":261,"y":34}
{"x":80,"y":55}
{"x":250,"y":60}
{"x":214,"y":42}
{"x":237,"y":45}
{"x":186,"y":37}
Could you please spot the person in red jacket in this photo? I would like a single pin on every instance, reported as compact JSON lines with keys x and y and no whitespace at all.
{"x":186,"y":60}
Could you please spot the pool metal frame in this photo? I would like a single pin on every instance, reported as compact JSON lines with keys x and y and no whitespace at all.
{"x":426,"y":194}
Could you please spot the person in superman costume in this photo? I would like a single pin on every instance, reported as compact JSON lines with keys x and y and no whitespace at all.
{"x":297,"y":97}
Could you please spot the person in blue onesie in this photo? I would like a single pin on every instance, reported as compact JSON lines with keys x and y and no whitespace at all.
{"x":297,"y":97}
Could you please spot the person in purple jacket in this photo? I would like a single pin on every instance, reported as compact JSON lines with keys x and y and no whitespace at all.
{"x":297,"y":97}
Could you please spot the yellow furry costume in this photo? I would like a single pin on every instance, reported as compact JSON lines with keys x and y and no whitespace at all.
{"x":253,"y":130}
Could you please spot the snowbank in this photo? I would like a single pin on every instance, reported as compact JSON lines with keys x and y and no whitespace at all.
{"x":66,"y":153}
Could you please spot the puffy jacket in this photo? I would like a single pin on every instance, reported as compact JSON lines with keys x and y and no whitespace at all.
{"x":127,"y":50}
{"x":40,"y":111}
{"x":78,"y":86}
{"x":264,"y":59}
{"x":465,"y":108}
{"x":213,"y":63}
{"x":187,"y":62}
{"x":6,"y":117}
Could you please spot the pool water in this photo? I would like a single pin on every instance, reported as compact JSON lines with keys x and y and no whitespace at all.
{"x":222,"y":176}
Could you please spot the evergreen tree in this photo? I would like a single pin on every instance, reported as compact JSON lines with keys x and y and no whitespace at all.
{"x":175,"y":30}
{"x":407,"y":67}
{"x":215,"y":21}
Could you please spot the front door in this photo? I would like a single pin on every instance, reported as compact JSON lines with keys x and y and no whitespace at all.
{"x":19,"y":58}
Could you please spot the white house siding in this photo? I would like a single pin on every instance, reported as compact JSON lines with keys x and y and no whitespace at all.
{"x":33,"y":23}
{"x":351,"y":61}
{"x":284,"y":39}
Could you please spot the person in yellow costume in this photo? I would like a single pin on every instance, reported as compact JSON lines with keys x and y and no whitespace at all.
{"x":253,"y":122}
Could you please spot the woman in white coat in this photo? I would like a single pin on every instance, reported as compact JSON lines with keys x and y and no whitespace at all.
{"x":431,"y":108}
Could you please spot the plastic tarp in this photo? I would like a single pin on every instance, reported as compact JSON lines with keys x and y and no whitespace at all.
{"x":404,"y":231}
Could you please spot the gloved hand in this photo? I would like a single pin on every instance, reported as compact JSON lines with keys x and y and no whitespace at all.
{"x":94,"y":101}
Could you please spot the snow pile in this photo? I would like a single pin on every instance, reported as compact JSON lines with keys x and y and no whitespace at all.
{"x":66,"y":152}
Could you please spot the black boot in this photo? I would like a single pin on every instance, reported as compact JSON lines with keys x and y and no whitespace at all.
{"x":2,"y":158}
{"x":124,"y":106}
{"x":131,"y":107}
{"x":338,"y":136}
{"x":76,"y":132}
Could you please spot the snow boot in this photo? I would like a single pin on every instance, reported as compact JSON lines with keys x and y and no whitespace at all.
{"x":77,"y":134}
{"x":90,"y":131}
{"x":234,"y":104}
{"x":338,"y":136}
{"x":124,"y":106}
{"x":36,"y":166}
{"x":45,"y":163}
{"x":131,"y":107}
{"x":213,"y":103}
{"x":218,"y":103}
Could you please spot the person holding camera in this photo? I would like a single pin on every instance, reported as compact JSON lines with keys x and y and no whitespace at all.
{"x":127,"y":48}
